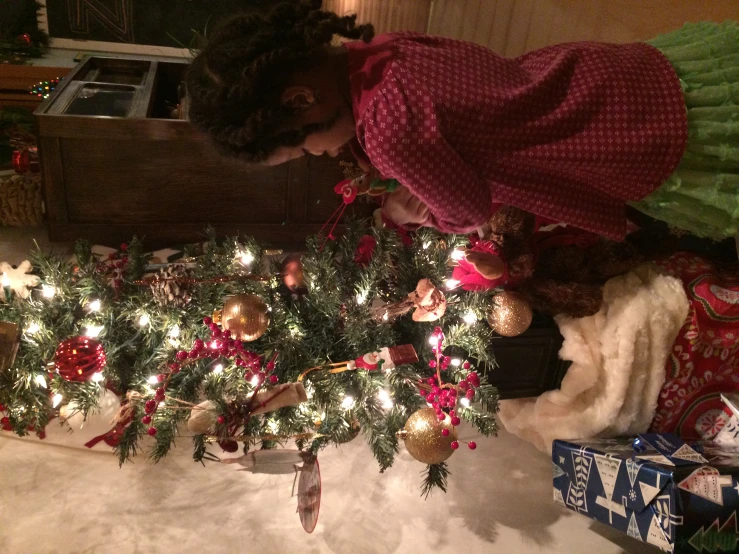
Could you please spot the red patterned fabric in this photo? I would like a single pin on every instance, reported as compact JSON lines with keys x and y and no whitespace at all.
{"x":568,"y":132}
{"x":705,"y":358}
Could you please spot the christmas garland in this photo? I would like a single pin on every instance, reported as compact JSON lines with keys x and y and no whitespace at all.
{"x":219,"y":341}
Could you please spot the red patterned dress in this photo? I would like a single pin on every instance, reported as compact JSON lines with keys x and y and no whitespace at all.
{"x":705,"y":357}
{"x":569,"y":132}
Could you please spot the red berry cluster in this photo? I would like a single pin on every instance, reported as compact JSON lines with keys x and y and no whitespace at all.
{"x":5,"y":421}
{"x":115,"y":265}
{"x":444,"y":397}
{"x":219,"y":345}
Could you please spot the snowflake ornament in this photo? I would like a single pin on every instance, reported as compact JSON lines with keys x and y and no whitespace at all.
{"x":19,"y":280}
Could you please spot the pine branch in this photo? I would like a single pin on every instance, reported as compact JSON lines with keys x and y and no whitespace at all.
{"x":434,"y":476}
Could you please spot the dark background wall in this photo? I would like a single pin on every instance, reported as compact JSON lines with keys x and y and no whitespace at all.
{"x":154,"y":22}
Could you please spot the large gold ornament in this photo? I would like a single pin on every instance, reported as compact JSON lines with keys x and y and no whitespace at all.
{"x":511,"y":314}
{"x":245,"y":315}
{"x":424,"y":437}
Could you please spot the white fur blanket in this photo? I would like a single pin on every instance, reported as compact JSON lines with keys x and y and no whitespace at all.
{"x":618,"y":364}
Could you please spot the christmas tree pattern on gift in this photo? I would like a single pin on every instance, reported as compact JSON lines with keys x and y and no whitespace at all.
{"x":576,"y":492}
{"x":608,"y":471}
{"x":717,"y":539}
{"x":707,"y":483}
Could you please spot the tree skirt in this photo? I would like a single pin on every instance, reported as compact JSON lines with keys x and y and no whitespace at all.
{"x":705,"y":357}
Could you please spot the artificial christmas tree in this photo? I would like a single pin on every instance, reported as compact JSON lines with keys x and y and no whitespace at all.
{"x":172,"y":361}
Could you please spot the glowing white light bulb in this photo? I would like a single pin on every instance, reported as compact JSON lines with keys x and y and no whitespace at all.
{"x":456,"y":362}
{"x":246,"y":257}
{"x":93,"y":331}
{"x":218,"y":369}
{"x":451,"y":284}
{"x":174,"y":332}
{"x":426,"y":245}
{"x":433,"y":340}
{"x":40,"y":380}
{"x":33,"y":328}
{"x":470,"y":318}
{"x":272,"y":426}
{"x":361,"y":297}
{"x":56,"y":400}
{"x":457,"y":255}
{"x":94,"y":306}
{"x":153,"y":380}
{"x":465,"y":402}
{"x":5,"y":280}
{"x":213,"y":345}
{"x":144,"y":320}
{"x":48,"y":291}
{"x":255,"y":381}
{"x":348,"y":402}
{"x":97,"y":377}
{"x":384,"y":396}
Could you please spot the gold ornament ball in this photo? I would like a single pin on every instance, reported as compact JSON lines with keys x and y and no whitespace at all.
{"x":245,"y":315}
{"x":424,"y":439}
{"x":511,"y":314}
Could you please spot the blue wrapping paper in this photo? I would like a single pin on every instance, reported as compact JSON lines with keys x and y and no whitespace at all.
{"x":681,"y":498}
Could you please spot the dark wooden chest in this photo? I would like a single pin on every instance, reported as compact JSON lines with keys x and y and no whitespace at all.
{"x":117,"y":162}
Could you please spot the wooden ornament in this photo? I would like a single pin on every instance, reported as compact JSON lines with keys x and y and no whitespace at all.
{"x":292,"y":274}
{"x":246,"y":316}
{"x":511,"y":314}
{"x":9,"y":340}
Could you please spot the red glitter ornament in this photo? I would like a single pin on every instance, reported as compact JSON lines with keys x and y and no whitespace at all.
{"x":472,"y":445}
{"x":445,"y":432}
{"x":221,"y":420}
{"x":454,"y":445}
{"x":152,"y":431}
{"x":146,"y":419}
{"x":78,"y":358}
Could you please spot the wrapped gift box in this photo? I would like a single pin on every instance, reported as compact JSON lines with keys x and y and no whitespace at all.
{"x":681,"y":498}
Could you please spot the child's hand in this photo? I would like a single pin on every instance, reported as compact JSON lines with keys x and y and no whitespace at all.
{"x":403,"y":208}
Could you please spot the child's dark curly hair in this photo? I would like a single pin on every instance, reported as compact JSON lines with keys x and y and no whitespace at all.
{"x":235,"y":83}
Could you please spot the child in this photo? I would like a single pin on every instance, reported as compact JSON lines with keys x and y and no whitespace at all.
{"x":573,"y":133}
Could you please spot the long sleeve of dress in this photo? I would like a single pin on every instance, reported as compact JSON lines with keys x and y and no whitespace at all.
{"x":407,"y":144}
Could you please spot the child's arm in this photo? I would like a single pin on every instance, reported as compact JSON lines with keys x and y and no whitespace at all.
{"x":403,"y":208}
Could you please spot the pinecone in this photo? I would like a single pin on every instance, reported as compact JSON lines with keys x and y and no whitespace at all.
{"x":172,"y":286}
